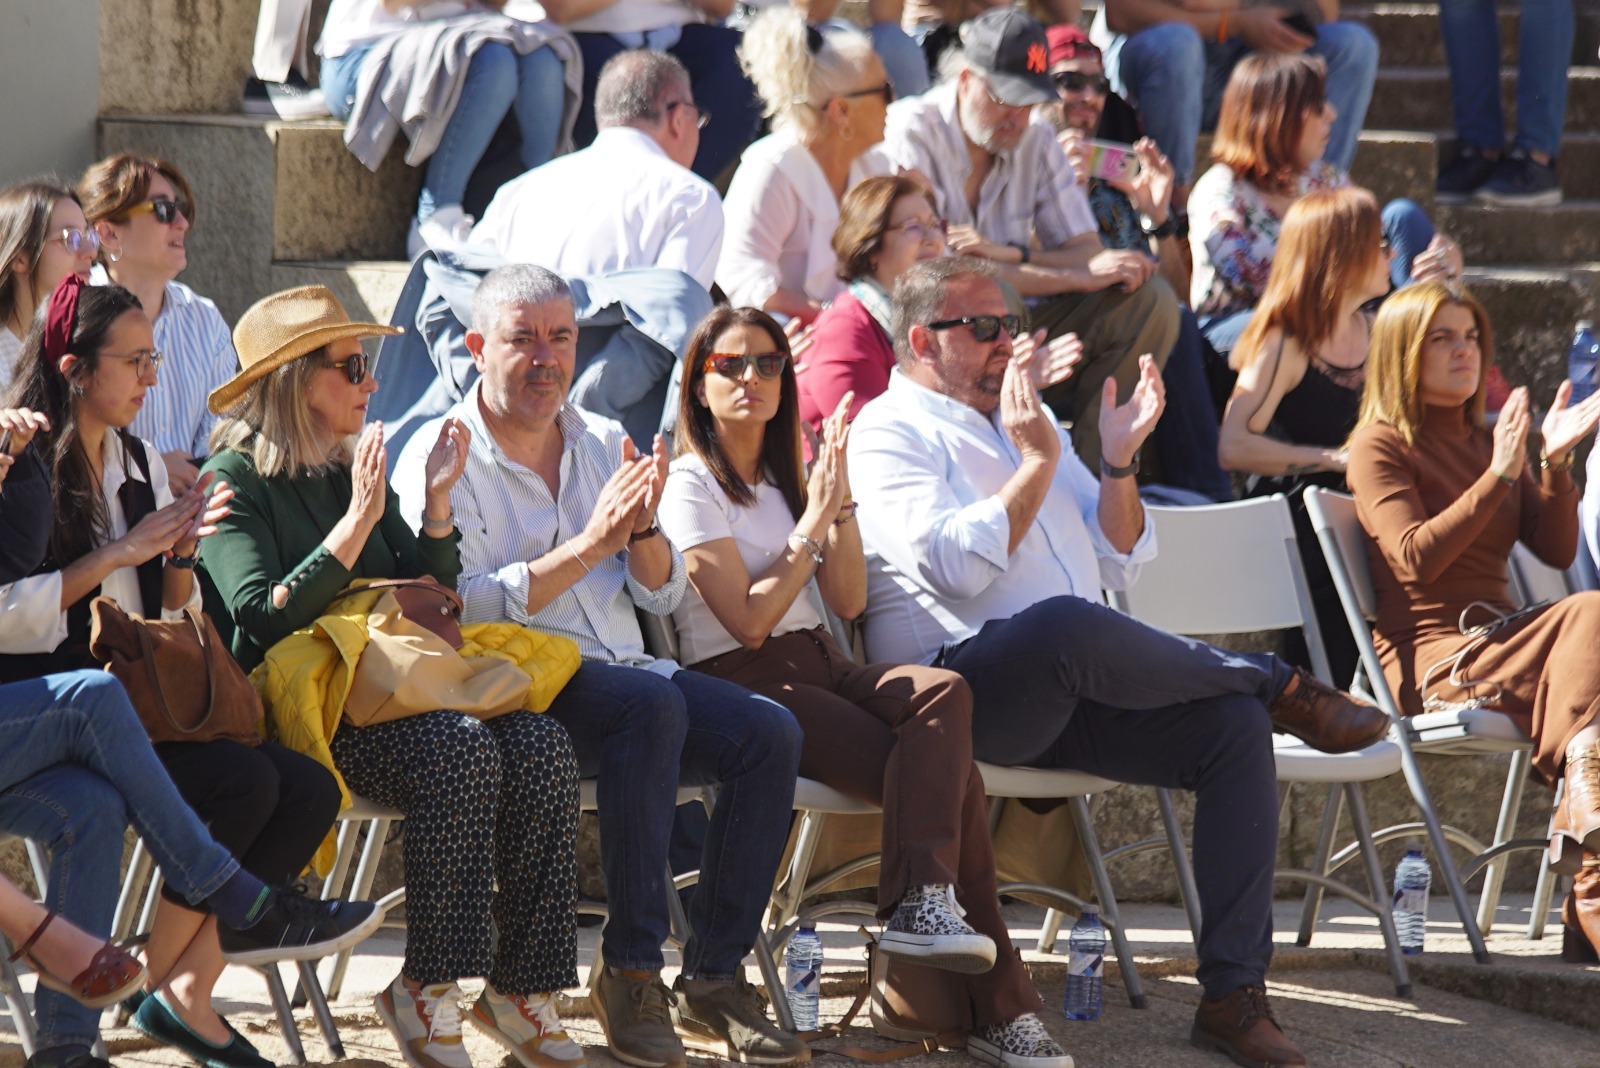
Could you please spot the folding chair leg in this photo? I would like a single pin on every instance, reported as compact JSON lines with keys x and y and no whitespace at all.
{"x":1108,"y":902}
{"x":1376,"y":884}
{"x":1050,"y":930}
{"x":138,"y":870}
{"x":787,"y":899}
{"x":1441,"y":852}
{"x":1505,"y":828}
{"x":280,"y":1005}
{"x":1181,"y":866}
{"x":677,"y":922}
{"x":1544,"y":891}
{"x":319,"y":1008}
{"x":366,"y":873}
{"x":1331,"y":810}
{"x":773,"y":978}
{"x":16,"y":1003}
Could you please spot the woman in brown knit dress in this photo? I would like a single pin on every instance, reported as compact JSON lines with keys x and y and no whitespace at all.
{"x":1444,"y":500}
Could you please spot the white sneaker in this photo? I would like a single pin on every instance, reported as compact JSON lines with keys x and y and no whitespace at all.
{"x":448,"y":229}
{"x":927,"y":928}
{"x":426,"y":1023}
{"x":528,"y":1026}
{"x":1018,"y":1043}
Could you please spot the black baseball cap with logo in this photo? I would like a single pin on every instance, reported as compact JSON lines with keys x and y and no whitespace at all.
{"x":1010,"y":50}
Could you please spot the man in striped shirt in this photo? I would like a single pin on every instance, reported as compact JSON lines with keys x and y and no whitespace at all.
{"x":557,"y":519}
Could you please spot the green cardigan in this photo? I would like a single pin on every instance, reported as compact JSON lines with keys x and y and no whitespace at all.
{"x":274,"y":536}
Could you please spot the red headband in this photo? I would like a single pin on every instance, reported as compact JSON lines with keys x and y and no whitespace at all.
{"x":62,"y":318}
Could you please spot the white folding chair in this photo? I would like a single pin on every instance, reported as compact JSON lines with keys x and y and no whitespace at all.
{"x":1235,"y":569}
{"x":1467,"y":732}
{"x":10,"y":982}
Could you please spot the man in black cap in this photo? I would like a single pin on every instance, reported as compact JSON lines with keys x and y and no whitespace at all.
{"x":1011,"y":197}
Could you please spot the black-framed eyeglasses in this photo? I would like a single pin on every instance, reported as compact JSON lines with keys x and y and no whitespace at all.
{"x":1075,"y":81}
{"x":144,"y":363}
{"x":165,"y":211}
{"x":984,"y":327}
{"x":886,"y":90}
{"x":732,"y":365}
{"x":704,"y":119}
{"x":356,"y":367}
{"x":77,"y":241}
{"x":922,"y":229}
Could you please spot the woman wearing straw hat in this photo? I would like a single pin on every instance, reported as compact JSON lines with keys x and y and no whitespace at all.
{"x":486,"y":803}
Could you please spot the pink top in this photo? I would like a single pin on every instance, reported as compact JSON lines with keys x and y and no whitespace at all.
{"x":849,"y":351}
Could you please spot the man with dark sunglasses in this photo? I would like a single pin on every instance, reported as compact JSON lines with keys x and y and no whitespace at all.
{"x":1011,"y":197}
{"x":988,"y":542}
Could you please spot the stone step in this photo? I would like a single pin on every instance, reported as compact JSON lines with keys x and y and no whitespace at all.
{"x":1409,"y":34}
{"x":1579,"y":165}
{"x":1418,"y":98}
{"x":1533,"y":310}
{"x":1567,"y":233}
{"x":193,"y":56}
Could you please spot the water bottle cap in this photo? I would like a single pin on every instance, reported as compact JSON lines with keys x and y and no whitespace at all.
{"x":1414,"y":845}
{"x":1585,"y":324}
{"x":1090,"y":910}
{"x":807,"y":928}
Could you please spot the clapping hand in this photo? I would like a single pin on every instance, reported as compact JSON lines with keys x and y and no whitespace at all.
{"x":17,"y":427}
{"x":1124,"y":427}
{"x":213,"y":498}
{"x":1511,"y":434}
{"x":828,"y":485}
{"x":1564,"y":427}
{"x":369,"y":478}
{"x":1150,"y":189}
{"x":1050,"y":363}
{"x":446,"y":460}
{"x":657,"y":463}
{"x":1031,"y":426}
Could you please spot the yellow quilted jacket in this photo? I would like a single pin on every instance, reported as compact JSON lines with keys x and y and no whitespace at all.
{"x":305,"y":679}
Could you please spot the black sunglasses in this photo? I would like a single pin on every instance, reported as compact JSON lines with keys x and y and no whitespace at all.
{"x":1073,"y":81}
{"x":355,"y":367}
{"x":729,"y":365}
{"x":885,"y":90}
{"x":984,"y":327}
{"x":166,"y":211}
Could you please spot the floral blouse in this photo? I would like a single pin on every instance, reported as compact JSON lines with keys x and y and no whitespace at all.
{"x":1234,"y":234}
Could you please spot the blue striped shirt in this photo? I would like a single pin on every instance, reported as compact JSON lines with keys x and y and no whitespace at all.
{"x":193,"y":336}
{"x":507,"y":518}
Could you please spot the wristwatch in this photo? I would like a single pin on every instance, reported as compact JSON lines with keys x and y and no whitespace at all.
{"x":1108,"y":471}
{"x":1166,"y":229}
{"x":648,"y":532}
{"x":184,"y":563}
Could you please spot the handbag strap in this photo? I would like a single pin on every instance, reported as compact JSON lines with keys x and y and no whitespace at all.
{"x":148,"y":655}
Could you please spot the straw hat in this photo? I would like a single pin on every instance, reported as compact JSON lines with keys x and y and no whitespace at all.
{"x":284,"y":327}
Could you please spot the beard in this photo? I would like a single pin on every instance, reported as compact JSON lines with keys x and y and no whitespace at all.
{"x":986,"y":136}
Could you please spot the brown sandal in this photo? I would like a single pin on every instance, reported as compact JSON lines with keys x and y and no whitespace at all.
{"x":112,"y":975}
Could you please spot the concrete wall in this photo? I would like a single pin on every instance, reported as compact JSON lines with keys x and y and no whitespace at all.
{"x":49,"y":80}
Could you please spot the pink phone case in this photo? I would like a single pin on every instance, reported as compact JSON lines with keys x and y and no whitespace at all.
{"x":1110,"y":161}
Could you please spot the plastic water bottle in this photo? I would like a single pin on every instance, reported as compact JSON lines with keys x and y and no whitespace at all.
{"x":1411,"y":881}
{"x":1582,"y":359}
{"x":802,"y":984}
{"x":1086,"y":958}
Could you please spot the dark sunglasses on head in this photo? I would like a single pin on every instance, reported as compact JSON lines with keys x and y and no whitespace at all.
{"x":984,"y":327}
{"x":729,"y":365}
{"x":166,"y":211}
{"x":355,"y":367}
{"x":885,"y":90}
{"x":1073,"y":81}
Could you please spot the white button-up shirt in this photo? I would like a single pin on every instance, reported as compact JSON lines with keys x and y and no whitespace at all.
{"x":507,"y":517}
{"x":926,"y":472}
{"x":619,"y":203}
{"x":1029,"y":189}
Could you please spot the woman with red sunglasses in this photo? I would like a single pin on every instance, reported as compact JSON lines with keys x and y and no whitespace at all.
{"x":756,"y":534}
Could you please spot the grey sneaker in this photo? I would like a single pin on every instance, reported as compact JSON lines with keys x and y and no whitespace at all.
{"x":730,"y":1021}
{"x":1464,"y":175}
{"x":927,"y":928}
{"x":1018,"y":1043}
{"x":637,"y":1020}
{"x":1520,"y":181}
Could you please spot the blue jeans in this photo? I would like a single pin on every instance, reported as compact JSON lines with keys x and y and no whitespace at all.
{"x":1471,"y":32}
{"x":1176,"y":80}
{"x":642,"y":735}
{"x":903,"y":59}
{"x":498,"y":80}
{"x":1067,"y":683}
{"x":75,"y":767}
{"x":709,"y":54}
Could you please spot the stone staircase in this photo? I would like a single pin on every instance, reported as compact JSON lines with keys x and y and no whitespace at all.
{"x":284,"y":203}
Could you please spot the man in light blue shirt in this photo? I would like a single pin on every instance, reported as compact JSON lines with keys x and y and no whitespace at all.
{"x":558,"y":532}
{"x":988,"y":542}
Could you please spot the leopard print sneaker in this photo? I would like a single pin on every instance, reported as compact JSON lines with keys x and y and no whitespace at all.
{"x":1018,"y":1043}
{"x":927,"y":928}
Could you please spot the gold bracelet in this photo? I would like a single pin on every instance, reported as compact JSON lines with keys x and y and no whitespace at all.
{"x":1564,"y":465}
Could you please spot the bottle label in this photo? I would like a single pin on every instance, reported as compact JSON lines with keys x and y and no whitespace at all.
{"x":1411,"y":900}
{"x":805,"y":980}
{"x":1085,"y":964}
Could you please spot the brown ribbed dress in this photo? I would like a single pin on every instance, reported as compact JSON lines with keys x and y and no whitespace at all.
{"x":1442,"y":526}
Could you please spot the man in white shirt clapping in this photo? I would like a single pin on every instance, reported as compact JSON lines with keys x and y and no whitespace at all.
{"x":629,"y":199}
{"x":988,"y":542}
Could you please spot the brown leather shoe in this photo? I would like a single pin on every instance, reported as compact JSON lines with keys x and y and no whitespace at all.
{"x":1325,"y":718}
{"x":1580,"y":915}
{"x":1241,"y":1026}
{"x":1575,"y":833}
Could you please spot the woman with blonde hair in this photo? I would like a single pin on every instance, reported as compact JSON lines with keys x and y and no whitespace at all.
{"x":827,"y":96}
{"x":1444,"y":500}
{"x":1271,"y":135}
{"x":43,"y":238}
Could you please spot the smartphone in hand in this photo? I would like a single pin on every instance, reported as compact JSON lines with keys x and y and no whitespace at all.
{"x":1110,"y":161}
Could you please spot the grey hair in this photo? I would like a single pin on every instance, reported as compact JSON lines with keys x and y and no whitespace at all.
{"x":794,"y":82}
{"x":952,"y":62}
{"x":920,"y":293}
{"x":517,"y":283}
{"x":633,"y":87}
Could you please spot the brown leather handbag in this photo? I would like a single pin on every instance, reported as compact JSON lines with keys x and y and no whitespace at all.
{"x":428,"y":603}
{"x":183,"y":682}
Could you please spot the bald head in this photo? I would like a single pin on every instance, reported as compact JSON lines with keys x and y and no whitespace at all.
{"x":635,"y":86}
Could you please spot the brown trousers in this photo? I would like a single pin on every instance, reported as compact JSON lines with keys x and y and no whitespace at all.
{"x":898,"y":736}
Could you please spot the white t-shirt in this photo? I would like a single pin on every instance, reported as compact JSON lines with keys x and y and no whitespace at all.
{"x":10,"y":349}
{"x":637,"y":16}
{"x":351,"y":23}
{"x":693,"y":511}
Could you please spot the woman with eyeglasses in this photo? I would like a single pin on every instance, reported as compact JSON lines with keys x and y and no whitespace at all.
{"x":757,"y":534}
{"x":827,"y":95}
{"x":43,"y":238}
{"x":144,"y":207}
{"x":119,"y":531}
